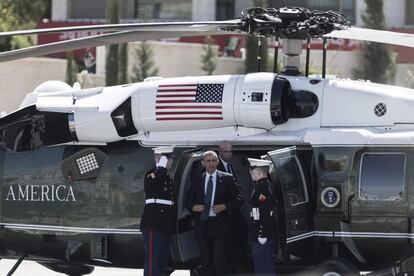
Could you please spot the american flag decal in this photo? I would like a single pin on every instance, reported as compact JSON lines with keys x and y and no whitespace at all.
{"x":189,"y":102}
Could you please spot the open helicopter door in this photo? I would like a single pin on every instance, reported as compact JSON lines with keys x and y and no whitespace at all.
{"x":186,"y":248}
{"x":290,"y":190}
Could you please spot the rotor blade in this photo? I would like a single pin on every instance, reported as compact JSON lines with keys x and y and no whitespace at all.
{"x":371,"y":35}
{"x":93,"y":41}
{"x":161,"y":26}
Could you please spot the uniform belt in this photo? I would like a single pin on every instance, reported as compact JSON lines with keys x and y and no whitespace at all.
{"x":159,"y":201}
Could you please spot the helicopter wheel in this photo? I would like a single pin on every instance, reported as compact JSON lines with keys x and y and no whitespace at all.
{"x":335,"y":267}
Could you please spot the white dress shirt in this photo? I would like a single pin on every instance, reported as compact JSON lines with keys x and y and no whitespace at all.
{"x":225,"y":166}
{"x":214,"y":179}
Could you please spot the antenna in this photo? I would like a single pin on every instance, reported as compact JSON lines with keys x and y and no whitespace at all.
{"x":307,"y":56}
{"x":259,"y":51}
{"x":324,"y":58}
{"x":276,"y":55}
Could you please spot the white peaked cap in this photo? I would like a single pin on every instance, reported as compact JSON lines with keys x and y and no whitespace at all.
{"x":163,"y":150}
{"x":259,"y":162}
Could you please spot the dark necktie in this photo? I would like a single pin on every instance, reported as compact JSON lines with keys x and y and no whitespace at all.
{"x":207,"y":201}
{"x":229,"y":170}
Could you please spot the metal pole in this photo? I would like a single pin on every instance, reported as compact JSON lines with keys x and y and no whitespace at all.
{"x":17,"y":264}
{"x":324,"y":58}
{"x":307,"y":57}
{"x":275,"y":65}
{"x":259,"y":51}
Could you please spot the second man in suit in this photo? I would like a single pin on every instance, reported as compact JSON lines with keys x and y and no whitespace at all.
{"x":237,"y":243}
{"x":212,"y":197}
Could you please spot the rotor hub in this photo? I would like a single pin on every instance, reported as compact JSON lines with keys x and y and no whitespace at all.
{"x":290,"y":22}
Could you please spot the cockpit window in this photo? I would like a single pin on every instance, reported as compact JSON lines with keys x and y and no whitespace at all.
{"x":17,"y":136}
{"x":382,"y":176}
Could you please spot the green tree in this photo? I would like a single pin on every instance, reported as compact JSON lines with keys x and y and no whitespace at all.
{"x":71,"y":69}
{"x":117,"y":56}
{"x":123,"y":64}
{"x":251,"y":55}
{"x":145,"y":65}
{"x":30,"y":11}
{"x":21,"y":14}
{"x":7,"y":20}
{"x":208,"y":58}
{"x":378,"y":64}
{"x":251,"y":47}
{"x":112,"y":61}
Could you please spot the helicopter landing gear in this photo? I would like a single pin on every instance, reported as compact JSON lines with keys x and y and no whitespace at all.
{"x":17,"y":264}
{"x":335,"y":267}
{"x":69,"y":269}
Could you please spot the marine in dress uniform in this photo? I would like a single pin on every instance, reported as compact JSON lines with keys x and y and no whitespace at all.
{"x":262,"y":227}
{"x":159,"y":217}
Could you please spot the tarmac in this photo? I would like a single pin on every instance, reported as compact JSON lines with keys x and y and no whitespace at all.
{"x":29,"y":268}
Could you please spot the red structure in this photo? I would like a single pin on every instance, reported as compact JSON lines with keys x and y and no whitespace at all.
{"x":49,"y":38}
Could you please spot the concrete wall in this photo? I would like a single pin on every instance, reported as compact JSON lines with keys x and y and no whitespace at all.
{"x":203,"y":10}
{"x":175,"y":59}
{"x":340,"y":63}
{"x":178,"y":59}
{"x":22,"y":76}
{"x":60,"y":10}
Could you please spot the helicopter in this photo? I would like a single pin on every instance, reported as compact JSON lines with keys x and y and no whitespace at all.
{"x":73,"y":160}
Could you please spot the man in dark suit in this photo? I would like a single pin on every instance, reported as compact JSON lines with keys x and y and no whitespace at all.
{"x":159,"y":218}
{"x":212,"y":197}
{"x":237,"y":243}
{"x":225,"y":154}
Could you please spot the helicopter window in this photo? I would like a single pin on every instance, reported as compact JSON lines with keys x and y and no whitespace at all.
{"x":292,"y":180}
{"x":382,"y":176}
{"x":122,"y":118}
{"x":303,"y":104}
{"x":17,"y":137}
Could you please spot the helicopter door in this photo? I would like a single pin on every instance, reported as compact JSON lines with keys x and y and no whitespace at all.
{"x":188,"y":167}
{"x":289,"y":186}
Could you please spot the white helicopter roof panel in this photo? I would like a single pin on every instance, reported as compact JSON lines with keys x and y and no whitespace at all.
{"x":349,"y":103}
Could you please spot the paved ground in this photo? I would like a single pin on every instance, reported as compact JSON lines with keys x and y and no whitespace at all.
{"x":28,"y":268}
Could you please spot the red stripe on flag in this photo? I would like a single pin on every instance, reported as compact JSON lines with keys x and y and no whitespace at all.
{"x":175,"y":95}
{"x":189,"y":112}
{"x":187,"y":107}
{"x":189,"y":119}
{"x":171,"y":85}
{"x":176,"y":90}
{"x":175,"y":101}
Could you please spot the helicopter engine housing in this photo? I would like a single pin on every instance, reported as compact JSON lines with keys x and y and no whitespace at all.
{"x":257,"y":101}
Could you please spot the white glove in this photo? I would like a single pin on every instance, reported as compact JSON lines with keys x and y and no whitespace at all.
{"x":262,"y":240}
{"x":163,"y":161}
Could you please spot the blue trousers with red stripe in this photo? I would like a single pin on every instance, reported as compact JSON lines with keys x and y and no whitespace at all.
{"x":263,"y":258}
{"x":157,"y":250}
